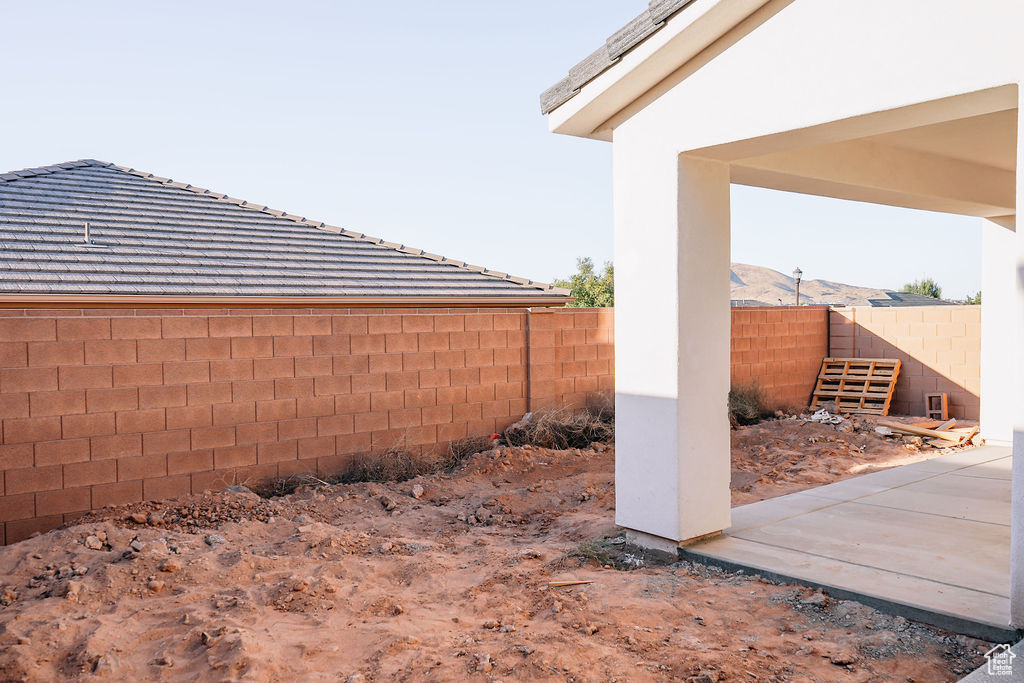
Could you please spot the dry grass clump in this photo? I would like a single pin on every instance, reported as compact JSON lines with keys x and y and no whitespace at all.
{"x":602,"y":406}
{"x":598,"y":552}
{"x":392,"y":465}
{"x":284,"y":486}
{"x":459,"y":450}
{"x":747,"y":405}
{"x":558,"y":428}
{"x":398,"y":464}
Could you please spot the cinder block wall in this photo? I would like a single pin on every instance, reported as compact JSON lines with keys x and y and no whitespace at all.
{"x":571,"y":356}
{"x":111,"y":406}
{"x":939,"y":346}
{"x":779,"y":348}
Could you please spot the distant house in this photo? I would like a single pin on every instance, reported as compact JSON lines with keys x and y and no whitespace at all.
{"x":92,"y":232}
{"x":738,"y":303}
{"x":908,"y":299}
{"x":892,"y":299}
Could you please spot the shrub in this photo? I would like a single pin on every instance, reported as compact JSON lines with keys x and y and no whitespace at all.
{"x":459,"y":450}
{"x":747,"y":405}
{"x":558,"y":428}
{"x":283,"y":486}
{"x":393,"y":464}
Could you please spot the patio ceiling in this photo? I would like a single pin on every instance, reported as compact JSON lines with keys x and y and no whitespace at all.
{"x":956,"y":155}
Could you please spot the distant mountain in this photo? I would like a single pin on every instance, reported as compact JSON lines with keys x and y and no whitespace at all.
{"x":754,"y":284}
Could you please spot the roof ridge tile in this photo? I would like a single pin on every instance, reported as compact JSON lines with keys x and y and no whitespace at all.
{"x":639,"y":29}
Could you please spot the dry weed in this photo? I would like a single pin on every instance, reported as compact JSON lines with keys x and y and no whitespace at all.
{"x":397,"y":463}
{"x":747,"y":405}
{"x":558,"y":429}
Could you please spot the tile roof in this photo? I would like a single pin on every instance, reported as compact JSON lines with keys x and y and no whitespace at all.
{"x":154,"y":236}
{"x":618,"y":44}
{"x":897,"y":299}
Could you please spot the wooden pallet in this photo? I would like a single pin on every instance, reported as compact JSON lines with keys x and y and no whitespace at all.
{"x":856,"y":385}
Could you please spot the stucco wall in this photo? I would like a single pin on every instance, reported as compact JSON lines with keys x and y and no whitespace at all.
{"x":939,"y":346}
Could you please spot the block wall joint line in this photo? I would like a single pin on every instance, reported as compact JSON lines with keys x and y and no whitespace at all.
{"x":528,"y":370}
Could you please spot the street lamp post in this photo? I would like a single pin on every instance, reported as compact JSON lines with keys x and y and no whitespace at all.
{"x":797,"y":274}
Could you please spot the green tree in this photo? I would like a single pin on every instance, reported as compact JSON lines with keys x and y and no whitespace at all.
{"x":591,"y":288}
{"x":926,"y":286}
{"x":975,"y":299}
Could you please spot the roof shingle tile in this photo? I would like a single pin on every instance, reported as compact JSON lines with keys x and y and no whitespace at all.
{"x":152,"y":236}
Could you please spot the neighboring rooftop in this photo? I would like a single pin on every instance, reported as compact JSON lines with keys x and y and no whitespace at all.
{"x":154,"y":236}
{"x":749,"y":303}
{"x":895,"y":299}
{"x":618,"y":44}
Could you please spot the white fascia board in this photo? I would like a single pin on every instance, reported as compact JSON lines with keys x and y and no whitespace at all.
{"x":683,"y":37}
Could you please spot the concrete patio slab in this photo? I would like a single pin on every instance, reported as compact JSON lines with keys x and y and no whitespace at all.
{"x":961,"y":497}
{"x":929,"y":541}
{"x":997,"y":469}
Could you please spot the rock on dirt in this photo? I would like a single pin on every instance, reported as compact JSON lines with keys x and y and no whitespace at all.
{"x":483,"y":662}
{"x":171,"y":565}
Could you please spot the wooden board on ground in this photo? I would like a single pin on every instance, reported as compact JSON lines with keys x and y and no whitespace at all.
{"x":856,"y":385}
{"x":939,"y":439}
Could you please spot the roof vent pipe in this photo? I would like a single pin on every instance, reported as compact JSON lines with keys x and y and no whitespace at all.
{"x":87,"y":234}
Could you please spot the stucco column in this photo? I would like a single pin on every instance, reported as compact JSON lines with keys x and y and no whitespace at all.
{"x":671,"y":344}
{"x":1017,"y":400}
{"x":998,"y":306}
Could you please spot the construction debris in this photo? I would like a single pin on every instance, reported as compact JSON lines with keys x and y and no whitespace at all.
{"x":825,"y":418}
{"x":956,"y":437}
{"x":573,"y":582}
{"x":916,"y":435}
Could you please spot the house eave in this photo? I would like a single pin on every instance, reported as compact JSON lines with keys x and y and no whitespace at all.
{"x":685,"y":35}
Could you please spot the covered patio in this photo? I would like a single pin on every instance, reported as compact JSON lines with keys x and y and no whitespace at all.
{"x":696,"y":95}
{"x":929,"y":541}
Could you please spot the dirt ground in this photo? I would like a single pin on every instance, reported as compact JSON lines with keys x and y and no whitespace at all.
{"x":443,"y":578}
{"x":777,"y":457}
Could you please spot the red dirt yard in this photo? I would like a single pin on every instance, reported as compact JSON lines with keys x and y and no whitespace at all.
{"x":444,"y":577}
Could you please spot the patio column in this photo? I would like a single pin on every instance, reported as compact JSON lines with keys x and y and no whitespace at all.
{"x":998,"y":278}
{"x":672,"y":344}
{"x":1016,"y":399}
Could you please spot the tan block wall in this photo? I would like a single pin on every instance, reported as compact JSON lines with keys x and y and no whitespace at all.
{"x":939,"y":346}
{"x":779,"y":348}
{"x":571,"y":356}
{"x":102,"y":406}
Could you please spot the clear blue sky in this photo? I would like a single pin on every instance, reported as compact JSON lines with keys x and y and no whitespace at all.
{"x":414,"y":121}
